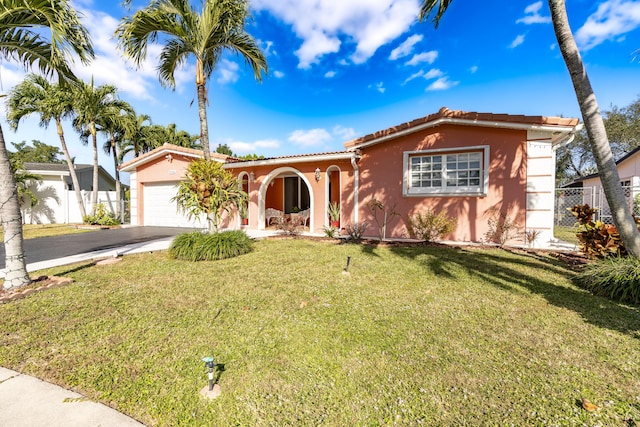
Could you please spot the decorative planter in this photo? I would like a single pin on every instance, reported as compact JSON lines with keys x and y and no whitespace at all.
{"x":245,"y":221}
{"x":335,"y":224}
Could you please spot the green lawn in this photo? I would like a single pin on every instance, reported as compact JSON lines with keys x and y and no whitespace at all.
{"x":567,"y":234}
{"x":412,"y":336}
{"x":32,"y":231}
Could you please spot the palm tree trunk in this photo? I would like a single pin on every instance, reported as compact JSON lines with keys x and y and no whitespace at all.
{"x":11,"y":218}
{"x":117,"y":173}
{"x":94,"y":195}
{"x":594,"y":125}
{"x":72,"y":169}
{"x":202,"y":110}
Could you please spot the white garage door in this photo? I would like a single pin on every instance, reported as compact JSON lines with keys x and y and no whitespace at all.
{"x":159,"y":210}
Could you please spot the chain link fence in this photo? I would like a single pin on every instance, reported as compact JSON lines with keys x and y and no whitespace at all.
{"x":566,"y":198}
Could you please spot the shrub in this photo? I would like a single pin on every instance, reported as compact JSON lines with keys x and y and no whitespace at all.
{"x":197,"y":246}
{"x":376,"y":207}
{"x":356,"y":231}
{"x":617,"y":278}
{"x":597,"y":239}
{"x":428,"y":226}
{"x":101,"y":216}
{"x":330,"y":231}
{"x":291,"y":227}
{"x":501,"y":228}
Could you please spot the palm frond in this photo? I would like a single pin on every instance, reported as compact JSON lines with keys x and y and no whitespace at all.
{"x":435,"y":7}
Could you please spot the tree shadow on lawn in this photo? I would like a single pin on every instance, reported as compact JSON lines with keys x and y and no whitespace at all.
{"x":501,"y":269}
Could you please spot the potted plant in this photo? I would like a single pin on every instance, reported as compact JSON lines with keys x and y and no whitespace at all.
{"x":334,"y":214}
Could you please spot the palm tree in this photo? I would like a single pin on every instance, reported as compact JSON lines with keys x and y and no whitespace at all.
{"x":35,"y":95}
{"x":185,"y":32}
{"x":91,"y":105}
{"x":591,"y":116}
{"x":114,"y":122}
{"x":24,"y":25}
{"x":136,"y":135}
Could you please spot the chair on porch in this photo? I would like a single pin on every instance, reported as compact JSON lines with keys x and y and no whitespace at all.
{"x":304,"y":216}
{"x":271,"y":213}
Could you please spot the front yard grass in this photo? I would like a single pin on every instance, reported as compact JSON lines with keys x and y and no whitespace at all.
{"x":32,"y":231}
{"x":411,"y":336}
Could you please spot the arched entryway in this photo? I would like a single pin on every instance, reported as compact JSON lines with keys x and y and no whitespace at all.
{"x":297,"y":194}
{"x":243,"y":178}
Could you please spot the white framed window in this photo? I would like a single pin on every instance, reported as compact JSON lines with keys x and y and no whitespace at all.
{"x":457,"y":172}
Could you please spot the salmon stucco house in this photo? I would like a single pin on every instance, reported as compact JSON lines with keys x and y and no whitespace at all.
{"x":466,"y":164}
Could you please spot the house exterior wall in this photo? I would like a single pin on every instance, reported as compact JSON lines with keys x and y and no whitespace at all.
{"x":381,"y":177}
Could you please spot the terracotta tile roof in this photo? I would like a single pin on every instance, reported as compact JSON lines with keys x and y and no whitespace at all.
{"x":445,"y":113}
{"x":292,"y":156}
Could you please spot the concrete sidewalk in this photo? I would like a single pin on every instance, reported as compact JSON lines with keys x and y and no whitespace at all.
{"x":28,"y":401}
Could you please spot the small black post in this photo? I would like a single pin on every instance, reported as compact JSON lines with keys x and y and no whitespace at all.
{"x":347,"y":267}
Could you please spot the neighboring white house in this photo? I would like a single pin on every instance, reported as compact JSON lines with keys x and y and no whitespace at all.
{"x":589,"y":189}
{"x":57,"y":199}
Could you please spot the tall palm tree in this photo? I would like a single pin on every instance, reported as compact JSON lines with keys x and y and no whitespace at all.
{"x":36,"y":95}
{"x":113,"y":123}
{"x":91,"y":105}
{"x":591,"y":116}
{"x":186,"y":32}
{"x":27,"y":28}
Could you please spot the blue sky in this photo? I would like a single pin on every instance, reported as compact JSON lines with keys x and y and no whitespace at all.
{"x":339,"y":69}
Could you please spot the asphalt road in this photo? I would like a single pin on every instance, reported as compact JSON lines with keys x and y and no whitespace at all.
{"x":47,"y":248}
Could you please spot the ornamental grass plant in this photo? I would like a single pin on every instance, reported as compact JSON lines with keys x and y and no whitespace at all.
{"x":197,"y":246}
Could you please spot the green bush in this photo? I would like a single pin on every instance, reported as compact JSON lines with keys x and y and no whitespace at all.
{"x":101,"y":216}
{"x":197,"y":246}
{"x":617,"y":278}
{"x":428,"y":226}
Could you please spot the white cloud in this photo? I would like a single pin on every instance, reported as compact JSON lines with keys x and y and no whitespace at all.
{"x":330,"y":74}
{"x":443,"y":83}
{"x":278,"y":74}
{"x":253,"y":147}
{"x":517,"y":41}
{"x":612,"y":19}
{"x":9,"y":77}
{"x":428,"y":57}
{"x":406,"y":47}
{"x":321,"y":24}
{"x":227,"y":71}
{"x":344,"y":133}
{"x":378,"y":86}
{"x":532,"y":15}
{"x":433,"y":73}
{"x":413,"y":77}
{"x":473,"y":69}
{"x":308,"y":138}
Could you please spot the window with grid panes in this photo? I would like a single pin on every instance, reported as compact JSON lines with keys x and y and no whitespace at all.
{"x":446,"y":173}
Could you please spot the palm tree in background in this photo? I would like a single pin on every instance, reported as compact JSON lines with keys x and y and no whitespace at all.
{"x":136,"y":135}
{"x":591,"y":116}
{"x":36,"y":95}
{"x":185,"y":32}
{"x":24,"y":26}
{"x":114,"y":122}
{"x":91,"y":105}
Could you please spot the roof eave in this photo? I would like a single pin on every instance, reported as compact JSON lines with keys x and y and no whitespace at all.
{"x":465,"y":122}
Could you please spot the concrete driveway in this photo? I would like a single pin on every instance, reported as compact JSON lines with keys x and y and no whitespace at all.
{"x":49,"y":248}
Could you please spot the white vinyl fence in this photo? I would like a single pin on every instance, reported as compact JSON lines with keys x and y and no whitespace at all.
{"x":566,"y":198}
{"x":61,"y":207}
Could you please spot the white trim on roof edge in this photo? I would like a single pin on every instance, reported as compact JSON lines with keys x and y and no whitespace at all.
{"x":290,"y":159}
{"x":465,"y":122}
{"x":160,"y":153}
